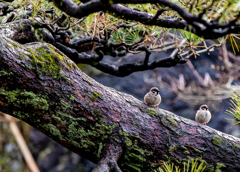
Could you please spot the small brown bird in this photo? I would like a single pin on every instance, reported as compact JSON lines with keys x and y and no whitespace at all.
{"x":153,"y":98}
{"x":203,"y":115}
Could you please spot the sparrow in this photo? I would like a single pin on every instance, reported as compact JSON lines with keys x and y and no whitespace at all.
{"x":153,"y":98}
{"x":203,"y":115}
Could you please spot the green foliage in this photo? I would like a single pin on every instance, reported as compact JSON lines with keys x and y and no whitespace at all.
{"x":190,"y":37}
{"x":190,"y":166}
{"x":235,"y":109}
{"x":95,"y":24}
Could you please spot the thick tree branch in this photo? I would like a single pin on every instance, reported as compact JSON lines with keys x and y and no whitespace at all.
{"x":145,"y":18}
{"x":41,"y":86}
{"x":20,"y":31}
{"x":121,"y":71}
{"x":127,"y":69}
{"x":193,"y":23}
{"x":74,"y":10}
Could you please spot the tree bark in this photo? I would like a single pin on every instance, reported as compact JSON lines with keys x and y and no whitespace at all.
{"x":41,"y":86}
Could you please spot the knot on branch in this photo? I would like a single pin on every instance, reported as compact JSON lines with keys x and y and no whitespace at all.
{"x":180,"y":59}
{"x":177,"y":59}
{"x":100,"y":53}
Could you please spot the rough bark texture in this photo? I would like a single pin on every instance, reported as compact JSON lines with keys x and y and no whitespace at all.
{"x":42,"y":87}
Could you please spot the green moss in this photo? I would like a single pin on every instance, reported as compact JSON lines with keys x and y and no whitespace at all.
{"x":74,"y":66}
{"x":197,"y":150}
{"x":151,"y":112}
{"x":25,"y":99}
{"x":11,"y":96}
{"x":93,"y":99}
{"x":184,"y":147}
{"x":59,"y":119}
{"x":172,"y":122}
{"x":137,"y":106}
{"x":99,"y":149}
{"x":217,"y":140}
{"x":134,"y":167}
{"x":141,"y":108}
{"x":58,"y":94}
{"x":171,"y":149}
{"x":139,"y":158}
{"x":236,"y":145}
{"x":72,"y":98}
{"x":220,"y":165}
{"x":38,"y":103}
{"x":28,"y":94}
{"x":128,"y":141}
{"x":134,"y":156}
{"x":86,"y":90}
{"x":65,"y":105}
{"x":4,"y":73}
{"x":162,"y":121}
{"x":76,"y":144}
{"x":15,"y":45}
{"x":88,"y":82}
{"x":66,"y":115}
{"x":97,"y":95}
{"x":53,"y":130}
{"x":100,"y":131}
{"x":98,"y":114}
{"x":186,"y":152}
{"x":89,"y":143}
{"x":46,"y":59}
{"x":72,"y":130}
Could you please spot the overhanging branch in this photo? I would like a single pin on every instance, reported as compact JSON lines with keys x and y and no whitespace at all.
{"x":193,"y":23}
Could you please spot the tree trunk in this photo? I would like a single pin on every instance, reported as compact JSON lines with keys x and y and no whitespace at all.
{"x":41,"y":86}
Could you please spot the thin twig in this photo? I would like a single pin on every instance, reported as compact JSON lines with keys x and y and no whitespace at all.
{"x":22,"y":144}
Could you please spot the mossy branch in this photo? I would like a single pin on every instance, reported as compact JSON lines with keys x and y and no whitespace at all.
{"x":43,"y":87}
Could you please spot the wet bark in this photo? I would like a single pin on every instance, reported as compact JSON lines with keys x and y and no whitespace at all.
{"x":41,"y":86}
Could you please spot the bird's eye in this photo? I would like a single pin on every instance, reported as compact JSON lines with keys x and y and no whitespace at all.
{"x":154,"y":92}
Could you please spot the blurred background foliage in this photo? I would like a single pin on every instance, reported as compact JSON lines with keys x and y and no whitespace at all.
{"x":11,"y":158}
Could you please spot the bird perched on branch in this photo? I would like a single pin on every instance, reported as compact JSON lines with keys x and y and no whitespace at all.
{"x":153,"y":98}
{"x":203,"y":115}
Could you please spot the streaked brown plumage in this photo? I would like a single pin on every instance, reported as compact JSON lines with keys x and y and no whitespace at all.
{"x":203,"y":115}
{"x":153,"y":98}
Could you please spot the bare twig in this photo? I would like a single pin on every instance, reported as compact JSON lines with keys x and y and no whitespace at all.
{"x":200,"y":79}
